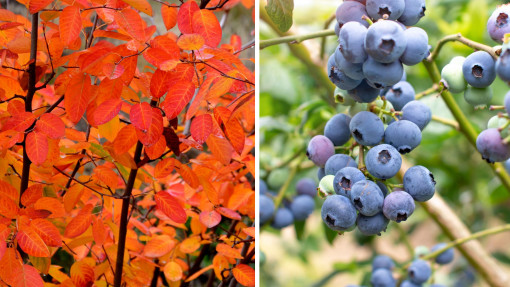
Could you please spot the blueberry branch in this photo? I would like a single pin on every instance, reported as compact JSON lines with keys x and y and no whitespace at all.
{"x":459,"y":38}
{"x":293,"y":39}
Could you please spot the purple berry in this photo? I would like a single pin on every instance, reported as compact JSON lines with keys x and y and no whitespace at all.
{"x":490,"y":144}
{"x":319,"y":150}
{"x":499,"y":23}
{"x":398,"y":206}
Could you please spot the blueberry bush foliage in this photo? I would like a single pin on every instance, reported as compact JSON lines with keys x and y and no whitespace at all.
{"x":394,"y":113}
{"x":126,"y":143}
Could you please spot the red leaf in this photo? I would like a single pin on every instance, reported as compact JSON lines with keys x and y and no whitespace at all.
{"x":220,"y":148}
{"x":210,"y":218}
{"x":170,"y":206}
{"x":131,"y":22}
{"x":70,"y":25}
{"x":141,"y":116}
{"x":80,"y":223}
{"x":106,"y":111}
{"x":29,"y":277}
{"x":19,"y":122}
{"x":36,"y":146}
{"x":31,"y":242}
{"x":77,"y":97}
{"x":32,"y":194}
{"x":178,"y":97}
{"x":185,"y":17}
{"x":172,"y":140}
{"x":169,"y":15}
{"x":155,"y":131}
{"x":47,"y":231}
{"x":113,"y":71}
{"x":206,"y":24}
{"x":191,"y":42}
{"x":227,"y":212}
{"x":244,"y":274}
{"x":160,"y":82}
{"x":201,"y":127}
{"x":161,"y":59}
{"x":36,"y":5}
{"x":51,"y":125}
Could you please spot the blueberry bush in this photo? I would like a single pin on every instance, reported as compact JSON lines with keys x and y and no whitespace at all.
{"x":384,"y":143}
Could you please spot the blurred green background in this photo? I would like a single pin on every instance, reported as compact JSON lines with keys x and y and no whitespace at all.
{"x":293,"y":108}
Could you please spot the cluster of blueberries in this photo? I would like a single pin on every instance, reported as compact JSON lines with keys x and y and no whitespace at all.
{"x":474,"y":75}
{"x":418,"y":272}
{"x":370,"y":58}
{"x":299,"y":208}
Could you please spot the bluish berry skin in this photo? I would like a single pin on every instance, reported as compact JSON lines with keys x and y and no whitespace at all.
{"x":351,"y":11}
{"x":352,"y":42}
{"x":490,"y":144}
{"x":364,"y":93}
{"x":372,"y":225}
{"x":407,"y":283}
{"x":302,"y":206}
{"x":478,"y":96}
{"x":382,"y":278}
{"x":337,"y":129}
{"x":263,"y":187}
{"x":400,"y":94}
{"x":403,"y":135}
{"x":419,"y":183}
{"x":507,"y":102}
{"x":320,"y":148}
{"x":366,"y":128}
{"x":383,"y":187}
{"x":418,"y":113}
{"x":282,"y":218}
{"x":419,"y":271}
{"x":337,"y":162}
{"x":382,"y":262}
{"x":452,"y":75}
{"x":414,"y":10}
{"x":352,"y":70}
{"x":377,"y":9}
{"x":382,"y":75}
{"x":383,"y":161}
{"x":479,"y":69}
{"x":417,"y":47}
{"x":266,"y":209}
{"x":338,"y":77}
{"x":445,"y":257}
{"x":345,"y":179}
{"x":503,"y":66}
{"x":321,"y":172}
{"x":306,"y":186}
{"x":499,"y":23}
{"x":338,"y":213}
{"x":398,"y":206}
{"x":436,"y":285}
{"x":507,"y":165}
{"x":367,"y":197}
{"x":385,"y":42}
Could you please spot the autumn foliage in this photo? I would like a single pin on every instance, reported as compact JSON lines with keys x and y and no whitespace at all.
{"x":126,"y":149}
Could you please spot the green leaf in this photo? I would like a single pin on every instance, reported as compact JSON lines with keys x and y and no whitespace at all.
{"x":330,"y":234}
{"x":299,"y":227}
{"x":280,"y":12}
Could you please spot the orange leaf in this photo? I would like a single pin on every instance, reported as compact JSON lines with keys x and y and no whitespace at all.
{"x":47,"y":231}
{"x":249,"y":231}
{"x":220,"y":263}
{"x":32,"y":194}
{"x":141,"y":116}
{"x":155,"y":131}
{"x":165,"y":167}
{"x":77,"y":97}
{"x":72,"y":197}
{"x":8,"y":207}
{"x":140,"y":5}
{"x":51,"y":125}
{"x":106,"y":111}
{"x":173,"y":271}
{"x":158,"y":246}
{"x":51,"y":204}
{"x":131,"y":22}
{"x":190,"y":244}
{"x":31,"y":242}
{"x":244,"y":274}
{"x":107,"y":176}
{"x":188,"y":175}
{"x":169,"y":15}
{"x":99,"y":231}
{"x":113,"y":71}
{"x":80,"y":223}
{"x":200,"y":272}
{"x":184,"y":17}
{"x":28,"y":277}
{"x":235,"y":134}
{"x":210,"y":218}
{"x":156,"y":150}
{"x":35,"y":6}
{"x":19,"y":122}
{"x":10,"y":266}
{"x":179,"y":95}
{"x":191,"y":42}
{"x":8,"y":190}
{"x":228,"y":251}
{"x":70,"y":25}
{"x":126,"y":138}
{"x":170,"y":207}
{"x":201,"y":127}
{"x":206,"y":24}
{"x":161,"y":59}
{"x":220,"y":148}
{"x":227,"y":212}
{"x":82,"y":274}
{"x":160,"y":82}
{"x":37,"y":147}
